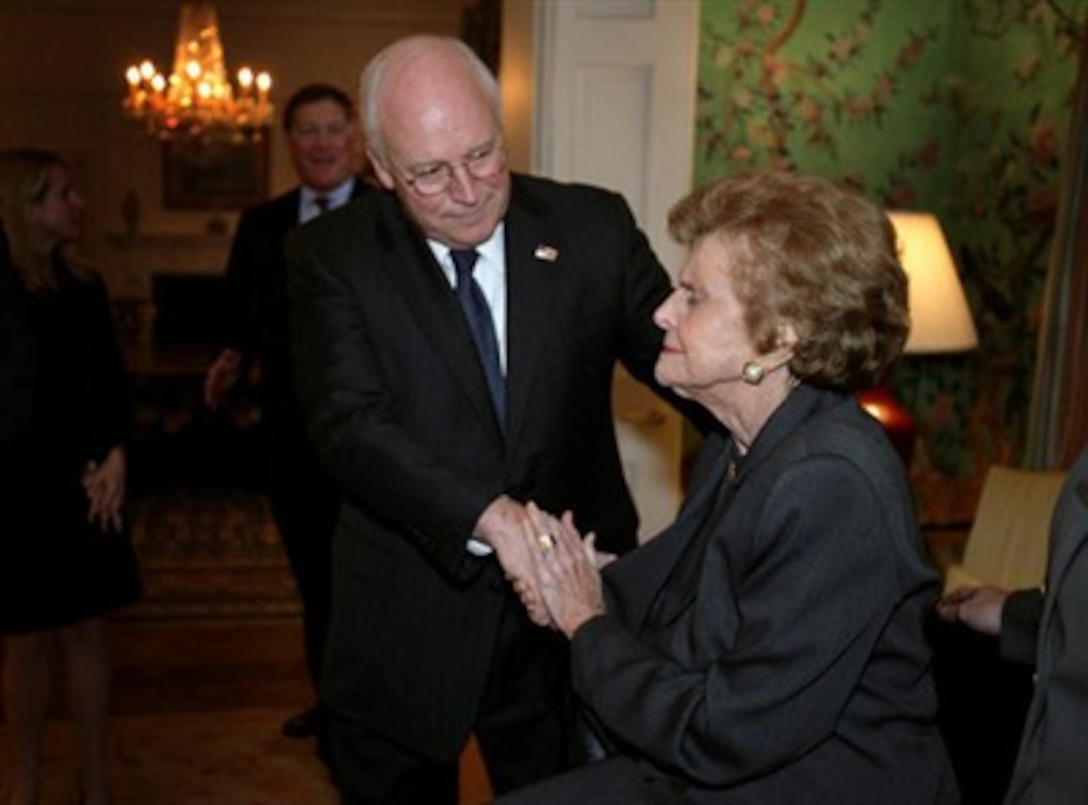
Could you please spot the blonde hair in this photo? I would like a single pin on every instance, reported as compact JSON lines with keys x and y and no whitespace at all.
{"x":24,"y":184}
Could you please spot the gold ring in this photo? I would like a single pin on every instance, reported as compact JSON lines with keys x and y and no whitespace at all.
{"x":546,"y":541}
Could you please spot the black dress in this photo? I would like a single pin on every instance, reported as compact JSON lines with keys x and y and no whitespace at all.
{"x":64,"y":401}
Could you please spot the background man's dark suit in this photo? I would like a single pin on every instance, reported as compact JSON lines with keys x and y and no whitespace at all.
{"x":400,"y":413}
{"x":304,"y":500}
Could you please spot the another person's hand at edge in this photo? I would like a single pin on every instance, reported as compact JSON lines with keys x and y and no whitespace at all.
{"x":976,"y":607}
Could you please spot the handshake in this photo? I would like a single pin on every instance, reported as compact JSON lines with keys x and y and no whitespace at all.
{"x":553,"y":568}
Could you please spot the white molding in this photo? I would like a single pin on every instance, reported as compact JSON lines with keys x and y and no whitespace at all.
{"x":614,"y":104}
{"x":317,"y":12}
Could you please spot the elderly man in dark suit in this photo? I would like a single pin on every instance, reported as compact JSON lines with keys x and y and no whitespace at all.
{"x":456,"y":337}
{"x":322,"y":139}
{"x":1046,"y":628}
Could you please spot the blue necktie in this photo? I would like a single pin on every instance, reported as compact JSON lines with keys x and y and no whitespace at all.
{"x":478,"y":315}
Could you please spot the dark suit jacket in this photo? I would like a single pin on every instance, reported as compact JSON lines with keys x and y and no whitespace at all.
{"x":1052,"y":766}
{"x":769,"y":649}
{"x":64,"y":400}
{"x":255,"y":306}
{"x":400,"y":413}
{"x":18,"y":355}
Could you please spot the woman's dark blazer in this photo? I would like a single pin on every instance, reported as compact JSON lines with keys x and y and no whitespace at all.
{"x":770,"y":650}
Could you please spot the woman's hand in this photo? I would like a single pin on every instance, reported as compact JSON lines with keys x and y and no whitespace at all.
{"x":530,"y":599}
{"x":567,"y":580}
{"x":105,"y":488}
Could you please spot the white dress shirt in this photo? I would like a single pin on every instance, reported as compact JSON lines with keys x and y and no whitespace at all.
{"x":490,"y":275}
{"x":308,"y":208}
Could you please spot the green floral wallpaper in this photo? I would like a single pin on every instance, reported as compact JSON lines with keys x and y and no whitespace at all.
{"x":957,"y":107}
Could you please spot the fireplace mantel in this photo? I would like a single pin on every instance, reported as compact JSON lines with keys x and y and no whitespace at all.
{"x":140,"y":257}
{"x":145,"y":253}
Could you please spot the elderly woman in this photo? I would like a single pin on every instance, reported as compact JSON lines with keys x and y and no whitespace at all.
{"x":768,"y":646}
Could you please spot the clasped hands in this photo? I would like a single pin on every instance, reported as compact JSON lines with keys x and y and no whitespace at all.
{"x":553,"y":568}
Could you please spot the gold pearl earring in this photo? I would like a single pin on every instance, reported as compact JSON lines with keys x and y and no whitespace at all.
{"x":752,"y":373}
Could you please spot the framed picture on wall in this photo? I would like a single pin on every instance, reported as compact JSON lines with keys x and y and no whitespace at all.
{"x":214,"y":175}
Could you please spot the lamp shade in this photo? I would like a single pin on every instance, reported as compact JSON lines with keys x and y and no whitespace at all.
{"x":940,"y":320}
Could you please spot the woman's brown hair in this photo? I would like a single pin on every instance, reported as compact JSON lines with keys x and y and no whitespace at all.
{"x":814,"y":254}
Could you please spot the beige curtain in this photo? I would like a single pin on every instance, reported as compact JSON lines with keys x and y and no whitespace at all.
{"x":1058,"y":424}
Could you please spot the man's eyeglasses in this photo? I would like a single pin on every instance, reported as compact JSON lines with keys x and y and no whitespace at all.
{"x":481,"y":163}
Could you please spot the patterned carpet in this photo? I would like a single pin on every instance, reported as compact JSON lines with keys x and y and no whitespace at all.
{"x":198,"y":705}
{"x":232,"y":758}
{"x":208,"y":552}
{"x":235,"y":758}
{"x":209,"y":663}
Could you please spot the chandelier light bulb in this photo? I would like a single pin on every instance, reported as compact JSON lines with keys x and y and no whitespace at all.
{"x":197,"y":100}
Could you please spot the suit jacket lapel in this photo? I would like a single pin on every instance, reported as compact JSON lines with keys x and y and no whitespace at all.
{"x":635,"y":581}
{"x":639,"y":582}
{"x":418,"y":277}
{"x":286,"y":212}
{"x":535,"y":309}
{"x":358,"y":187}
{"x":1068,"y":524}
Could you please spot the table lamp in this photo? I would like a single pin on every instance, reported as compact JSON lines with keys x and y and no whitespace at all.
{"x":940,"y":320}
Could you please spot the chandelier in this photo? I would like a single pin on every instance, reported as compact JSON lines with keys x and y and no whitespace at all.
{"x":197,"y":101}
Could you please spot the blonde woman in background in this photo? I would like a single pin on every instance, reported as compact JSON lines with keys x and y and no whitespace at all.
{"x":65,"y":557}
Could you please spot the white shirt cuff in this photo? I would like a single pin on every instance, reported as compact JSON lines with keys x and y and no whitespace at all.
{"x":478,"y":548}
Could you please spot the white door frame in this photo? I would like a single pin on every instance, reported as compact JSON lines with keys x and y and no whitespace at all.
{"x":603,"y":91}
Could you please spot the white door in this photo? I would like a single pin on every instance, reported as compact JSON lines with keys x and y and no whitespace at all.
{"x":603,"y":91}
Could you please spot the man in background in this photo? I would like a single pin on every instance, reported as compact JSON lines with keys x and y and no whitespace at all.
{"x":323,"y":142}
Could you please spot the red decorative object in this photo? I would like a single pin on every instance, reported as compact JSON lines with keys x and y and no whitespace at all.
{"x":896,"y":420}
{"x":940,"y":318}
